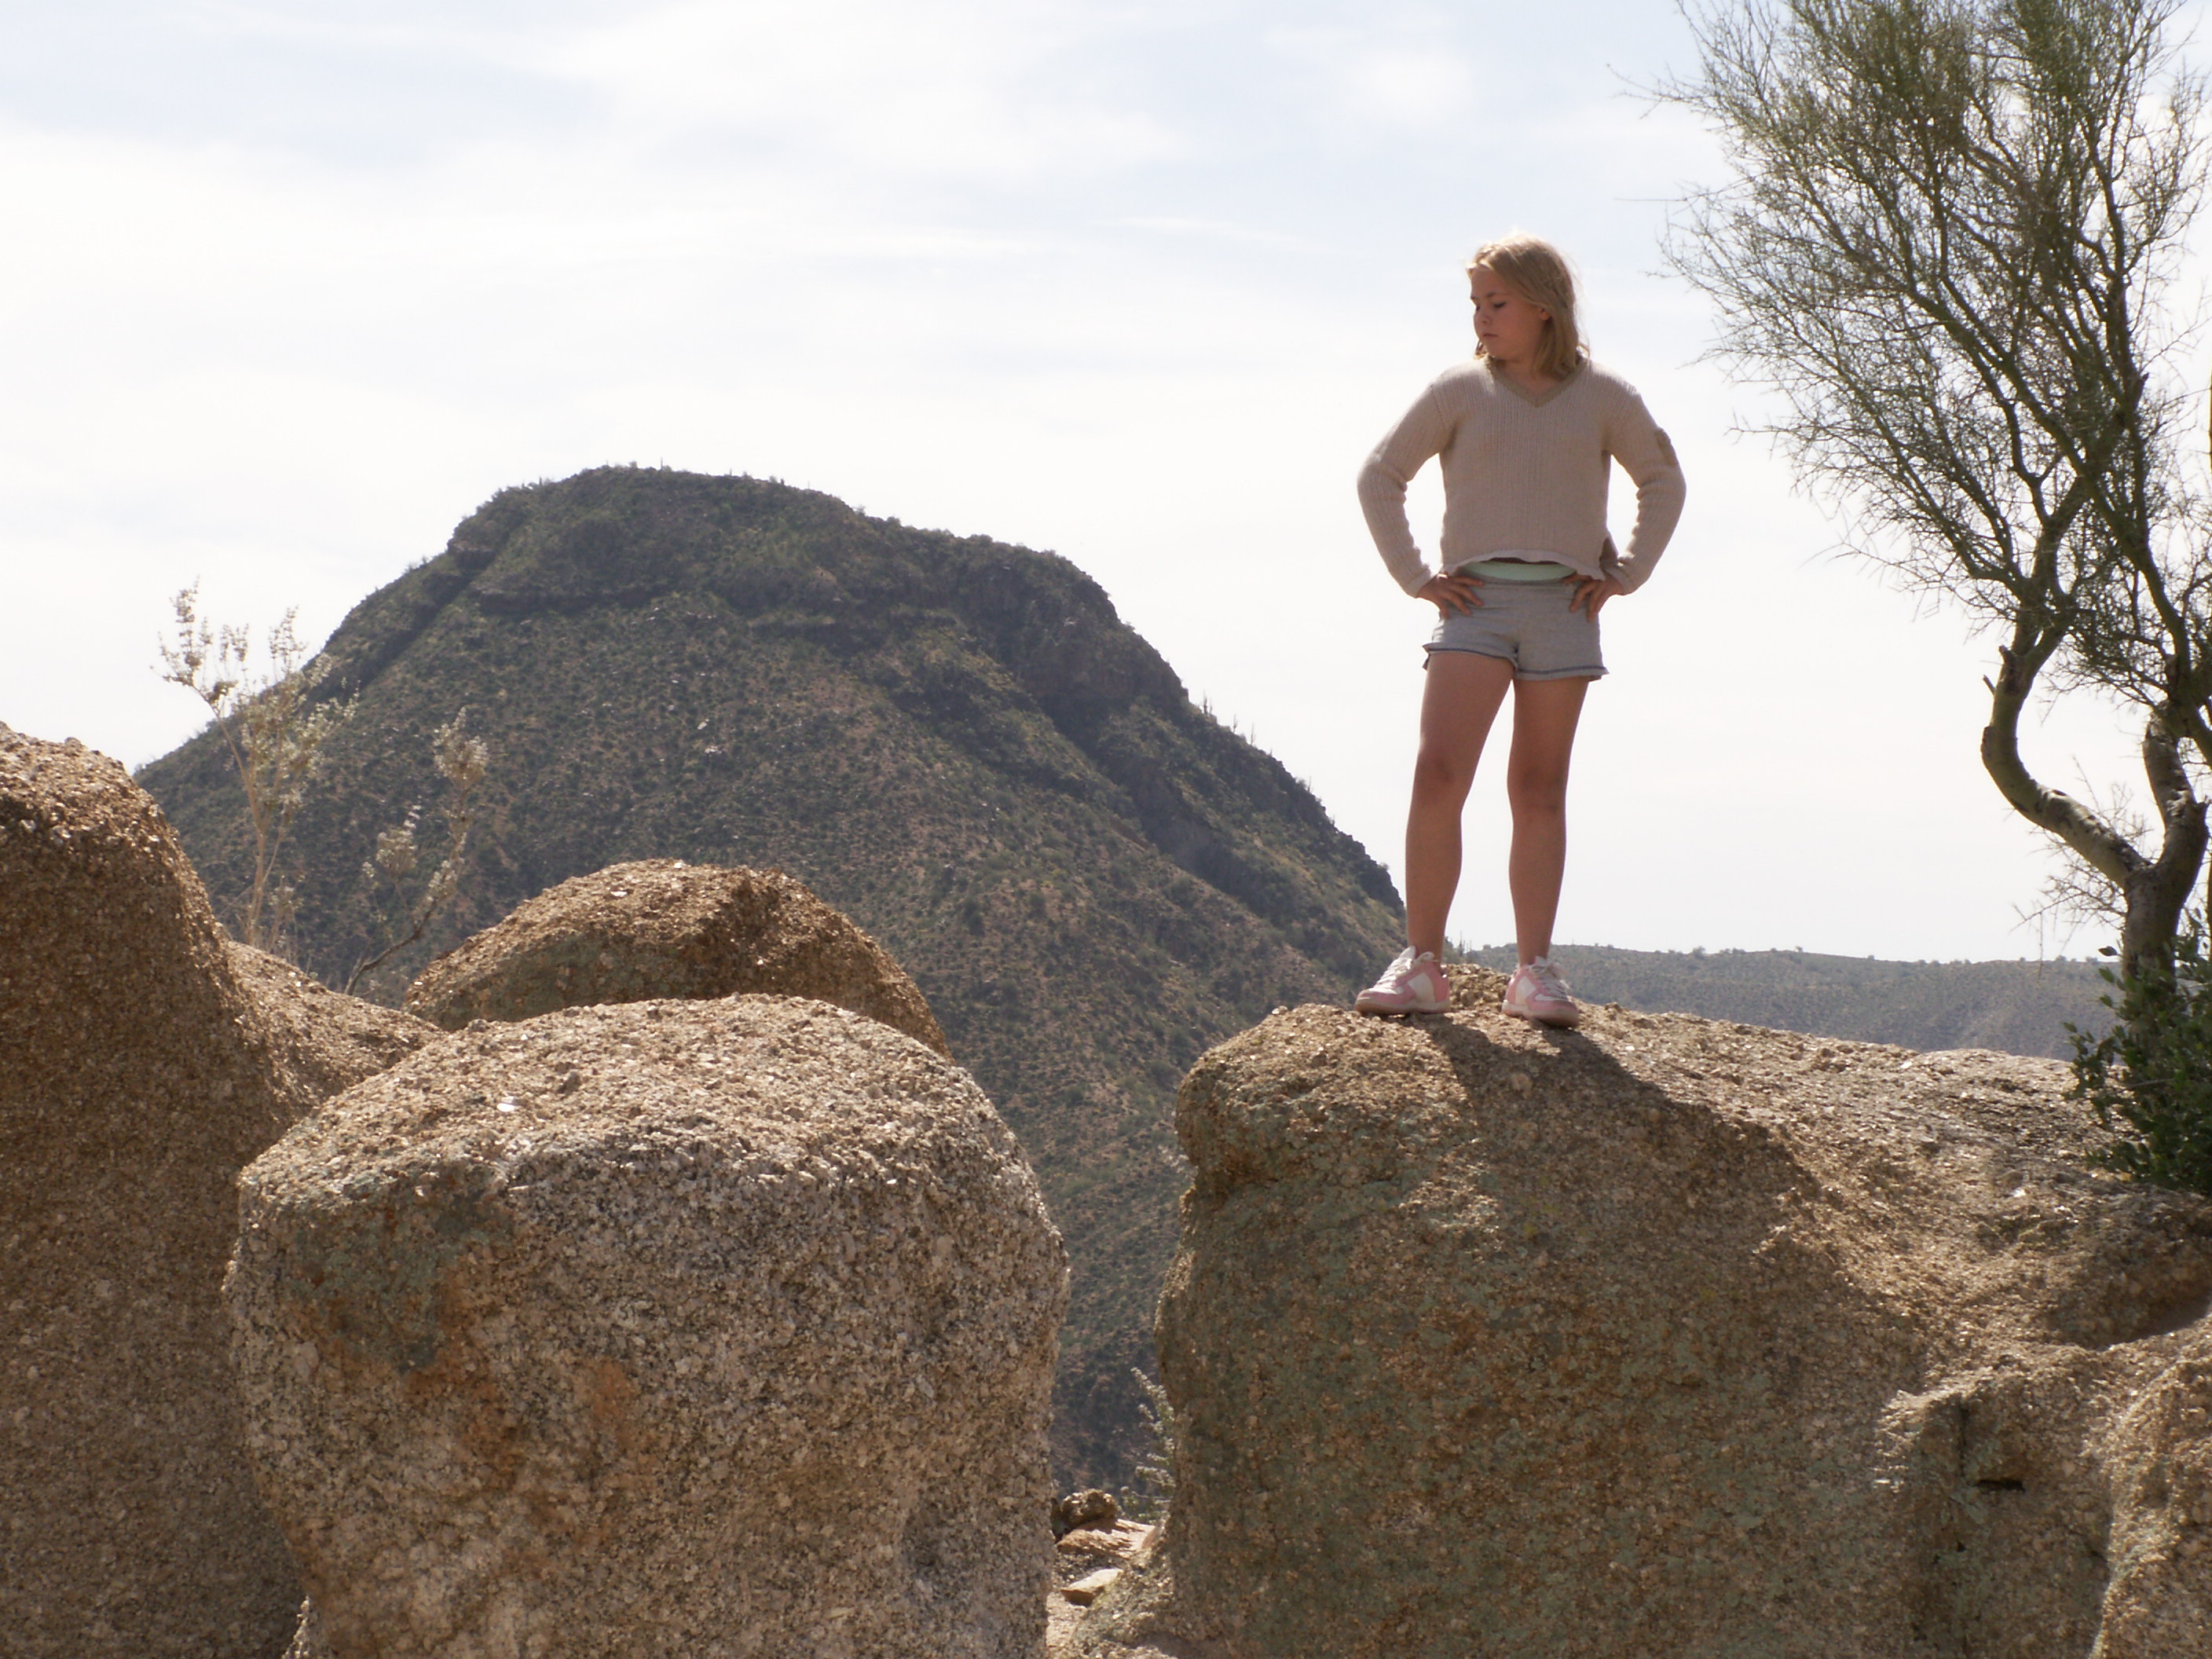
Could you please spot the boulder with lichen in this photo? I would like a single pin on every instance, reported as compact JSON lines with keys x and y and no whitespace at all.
{"x":715,"y":1327}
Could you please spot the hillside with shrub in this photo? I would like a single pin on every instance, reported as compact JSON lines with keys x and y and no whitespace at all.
{"x":2017,"y":1007}
{"x":954,"y":741}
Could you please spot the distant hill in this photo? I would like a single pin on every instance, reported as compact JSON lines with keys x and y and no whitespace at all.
{"x":2020,"y":1007}
{"x":954,"y":741}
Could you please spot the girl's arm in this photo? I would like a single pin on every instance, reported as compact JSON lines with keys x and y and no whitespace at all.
{"x":1647,"y":455}
{"x":1423,"y":431}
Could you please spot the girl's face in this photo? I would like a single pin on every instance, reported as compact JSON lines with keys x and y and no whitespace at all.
{"x":1509,"y":327}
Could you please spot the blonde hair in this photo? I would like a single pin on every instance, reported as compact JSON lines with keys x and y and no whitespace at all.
{"x":1538,"y":272}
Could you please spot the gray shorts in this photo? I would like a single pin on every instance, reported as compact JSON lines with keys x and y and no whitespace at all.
{"x":1529,"y":625}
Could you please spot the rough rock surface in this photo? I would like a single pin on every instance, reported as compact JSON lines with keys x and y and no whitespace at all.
{"x":660,"y":927}
{"x":143,"y":1060}
{"x":709,"y":1328}
{"x":1083,"y":1558}
{"x":1668,"y":1337}
{"x":2158,"y":1457}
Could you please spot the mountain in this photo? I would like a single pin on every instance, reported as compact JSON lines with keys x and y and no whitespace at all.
{"x":2018,"y":1007}
{"x":954,"y":741}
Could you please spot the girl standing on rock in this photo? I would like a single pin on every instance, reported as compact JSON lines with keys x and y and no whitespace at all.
{"x":1527,"y":435}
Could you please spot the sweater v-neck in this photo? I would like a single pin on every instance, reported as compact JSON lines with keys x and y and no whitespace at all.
{"x":1534,"y":399}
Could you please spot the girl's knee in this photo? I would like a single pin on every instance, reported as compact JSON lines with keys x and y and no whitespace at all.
{"x":1544,"y":792}
{"x":1438,"y":775}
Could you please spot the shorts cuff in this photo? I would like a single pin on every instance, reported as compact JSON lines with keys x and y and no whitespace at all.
{"x":1470,"y":651}
{"x":1597,"y":674}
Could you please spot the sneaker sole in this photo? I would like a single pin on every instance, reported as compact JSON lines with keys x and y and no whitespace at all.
{"x":1566,"y":1022}
{"x":1368,"y":1003}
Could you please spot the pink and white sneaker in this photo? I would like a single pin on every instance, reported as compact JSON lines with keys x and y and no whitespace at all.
{"x":1538,"y":992}
{"x":1410,"y":985}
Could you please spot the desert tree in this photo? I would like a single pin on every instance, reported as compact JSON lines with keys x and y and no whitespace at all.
{"x":273,"y":728}
{"x":393,"y":871}
{"x":1945,"y":246}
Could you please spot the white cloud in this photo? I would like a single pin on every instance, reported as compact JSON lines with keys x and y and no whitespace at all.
{"x":1410,"y":88}
{"x":970,"y":89}
{"x":1380,"y":82}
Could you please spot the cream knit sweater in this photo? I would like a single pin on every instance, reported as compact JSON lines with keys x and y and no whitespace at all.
{"x":1525,"y":472}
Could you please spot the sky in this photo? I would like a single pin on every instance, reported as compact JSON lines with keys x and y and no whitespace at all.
{"x":291,"y":289}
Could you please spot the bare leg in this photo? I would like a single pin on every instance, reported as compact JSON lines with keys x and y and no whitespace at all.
{"x":1460,"y":700}
{"x":1545,"y":714}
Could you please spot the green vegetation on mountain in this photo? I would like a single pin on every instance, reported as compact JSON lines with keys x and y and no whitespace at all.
{"x":2018,"y":1007}
{"x":954,"y":741}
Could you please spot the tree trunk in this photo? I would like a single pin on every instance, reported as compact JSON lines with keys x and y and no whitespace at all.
{"x":2156,"y":892}
{"x":2153,"y":892}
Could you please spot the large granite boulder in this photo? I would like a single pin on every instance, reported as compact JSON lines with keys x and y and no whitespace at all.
{"x":143,"y":1060}
{"x":712,"y":1328}
{"x":660,"y":927}
{"x":1668,"y":1337}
